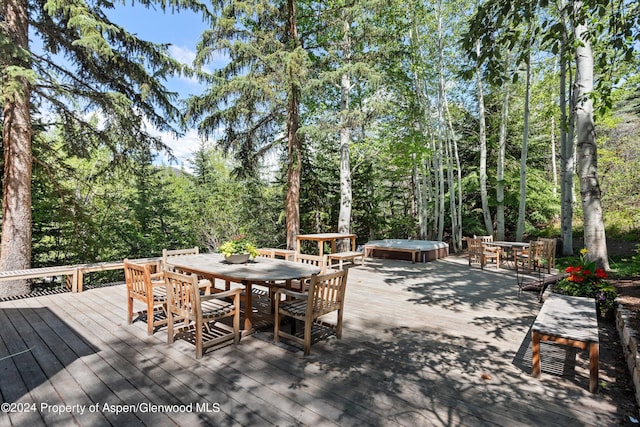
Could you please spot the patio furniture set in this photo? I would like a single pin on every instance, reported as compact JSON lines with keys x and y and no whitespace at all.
{"x":202,"y":296}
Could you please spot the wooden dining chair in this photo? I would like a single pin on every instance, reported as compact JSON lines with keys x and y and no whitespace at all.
{"x":479,"y":253}
{"x":199,"y":316}
{"x":325,"y":295}
{"x":547,"y":256}
{"x":168,"y":253}
{"x":151,"y":292}
{"x":528,"y":259}
{"x":266,"y":252}
{"x":487,"y":247}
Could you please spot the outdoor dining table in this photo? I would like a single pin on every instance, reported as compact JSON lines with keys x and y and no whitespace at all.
{"x":509,"y":247}
{"x":322,"y":238}
{"x":259,"y":271}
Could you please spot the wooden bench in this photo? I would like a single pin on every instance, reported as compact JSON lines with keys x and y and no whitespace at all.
{"x":345,"y":256}
{"x":415,"y":253}
{"x":74,"y":273}
{"x":570,"y":321}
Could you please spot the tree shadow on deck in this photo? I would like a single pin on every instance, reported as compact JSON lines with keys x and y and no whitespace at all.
{"x":452,"y":283}
{"x":35,"y":345}
{"x":422,"y":377}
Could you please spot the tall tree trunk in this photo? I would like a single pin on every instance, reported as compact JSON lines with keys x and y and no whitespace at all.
{"x":523,"y":156}
{"x":502,"y":144}
{"x":482,"y":135}
{"x":344,"y":216}
{"x":594,"y":232}
{"x":292,"y":210}
{"x":15,"y":247}
{"x":567,"y":159}
{"x":554,"y":166}
{"x":442,"y":127}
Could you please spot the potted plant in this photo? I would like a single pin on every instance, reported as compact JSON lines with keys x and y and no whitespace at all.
{"x":238,"y":250}
{"x":585,"y":280}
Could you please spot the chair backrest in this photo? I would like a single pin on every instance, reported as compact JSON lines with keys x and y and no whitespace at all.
{"x":266,"y":252}
{"x":181,"y":298}
{"x":474,"y":246}
{"x":548,"y":250}
{"x":484,"y":239}
{"x":138,"y":278}
{"x":326,"y":292}
{"x":167,"y":253}
{"x":316,"y":260}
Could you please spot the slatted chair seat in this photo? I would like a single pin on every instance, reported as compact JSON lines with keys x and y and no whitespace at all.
{"x":159,"y":293}
{"x":216,"y":308}
{"x":325,"y":295}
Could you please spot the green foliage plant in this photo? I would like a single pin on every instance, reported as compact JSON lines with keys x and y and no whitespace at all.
{"x":585,"y":280}
{"x":239,"y":244}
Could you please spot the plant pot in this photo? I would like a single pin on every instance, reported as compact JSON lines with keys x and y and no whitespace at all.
{"x":237,"y":258}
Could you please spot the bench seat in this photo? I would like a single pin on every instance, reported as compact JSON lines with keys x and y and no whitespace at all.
{"x":570,"y":321}
{"x":415,"y":253}
{"x":345,"y":256}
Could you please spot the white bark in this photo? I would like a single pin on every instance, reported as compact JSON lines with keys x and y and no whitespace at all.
{"x":344,"y":217}
{"x":502,"y":143}
{"x":567,"y":158}
{"x":482,"y":136}
{"x":594,"y":232}
{"x":523,"y":156}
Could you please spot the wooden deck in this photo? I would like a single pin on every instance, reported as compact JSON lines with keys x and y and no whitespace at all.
{"x":437,"y":344}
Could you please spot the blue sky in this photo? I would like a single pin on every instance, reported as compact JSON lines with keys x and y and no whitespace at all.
{"x":182,"y":31}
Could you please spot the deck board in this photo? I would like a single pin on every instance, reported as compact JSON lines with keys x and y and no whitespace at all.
{"x":438,"y":344}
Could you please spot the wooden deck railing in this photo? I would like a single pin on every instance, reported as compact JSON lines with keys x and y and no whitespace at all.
{"x":74,"y":274}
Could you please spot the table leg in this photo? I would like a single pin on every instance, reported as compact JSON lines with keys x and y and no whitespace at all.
{"x":320,"y":247}
{"x":248,"y":308}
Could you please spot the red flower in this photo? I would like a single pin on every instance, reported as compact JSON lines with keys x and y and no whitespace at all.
{"x":570,"y":269}
{"x":601,"y":274}
{"x":586,"y":272}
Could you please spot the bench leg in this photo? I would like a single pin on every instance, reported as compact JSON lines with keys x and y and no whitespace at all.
{"x":535,"y":354}
{"x":594,"y":350}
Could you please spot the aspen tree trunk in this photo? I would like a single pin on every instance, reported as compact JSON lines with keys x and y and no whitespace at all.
{"x":523,"y":156}
{"x":15,"y":247}
{"x":482,"y":135}
{"x":344,"y":216}
{"x":554,"y":172}
{"x":457,"y":229}
{"x":502,"y":143}
{"x":292,"y":210}
{"x":594,"y":232}
{"x":567,"y":162}
{"x":442,"y":127}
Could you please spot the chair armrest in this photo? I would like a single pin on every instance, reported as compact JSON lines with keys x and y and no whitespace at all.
{"x":157,"y":281}
{"x":223,"y":294}
{"x":206,"y":285}
{"x":291,"y":293}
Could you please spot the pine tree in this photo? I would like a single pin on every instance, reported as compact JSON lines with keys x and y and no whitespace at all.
{"x":256,"y":96}
{"x":79,"y":62}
